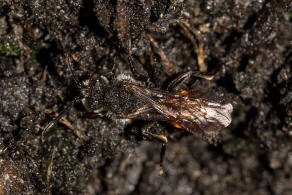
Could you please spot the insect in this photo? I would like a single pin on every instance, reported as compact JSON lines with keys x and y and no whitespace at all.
{"x":126,"y":98}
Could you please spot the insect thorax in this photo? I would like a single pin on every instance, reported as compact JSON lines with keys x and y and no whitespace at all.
{"x":120,"y":101}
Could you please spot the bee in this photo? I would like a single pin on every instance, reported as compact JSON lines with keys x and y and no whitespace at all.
{"x":127,"y":98}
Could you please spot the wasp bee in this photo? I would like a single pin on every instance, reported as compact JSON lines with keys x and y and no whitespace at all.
{"x":127,"y":98}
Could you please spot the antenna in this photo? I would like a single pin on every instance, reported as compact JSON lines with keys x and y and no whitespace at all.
{"x":68,"y":61}
{"x":64,"y":111}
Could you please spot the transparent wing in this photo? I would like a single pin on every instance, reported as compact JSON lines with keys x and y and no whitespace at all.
{"x":197,"y":115}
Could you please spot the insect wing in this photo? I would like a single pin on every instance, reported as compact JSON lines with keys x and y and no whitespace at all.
{"x":197,"y":115}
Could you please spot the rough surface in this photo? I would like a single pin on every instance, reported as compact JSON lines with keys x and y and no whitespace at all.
{"x":246,"y":44}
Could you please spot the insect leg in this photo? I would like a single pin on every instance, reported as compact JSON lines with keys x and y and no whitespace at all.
{"x":159,"y":137}
{"x":162,"y":138}
{"x":137,"y":113}
{"x":162,"y":154}
{"x":137,"y":69}
{"x":176,"y":83}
